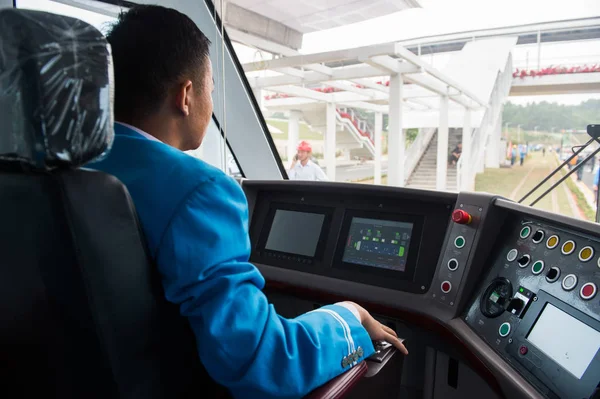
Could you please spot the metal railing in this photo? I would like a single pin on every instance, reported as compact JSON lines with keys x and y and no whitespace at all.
{"x":365,"y":136}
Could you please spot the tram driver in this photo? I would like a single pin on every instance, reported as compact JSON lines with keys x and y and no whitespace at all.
{"x":195,"y":220}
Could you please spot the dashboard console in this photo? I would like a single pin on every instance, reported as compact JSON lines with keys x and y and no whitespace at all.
{"x":515,"y":286}
{"x":538,"y":305}
{"x":385,"y":242}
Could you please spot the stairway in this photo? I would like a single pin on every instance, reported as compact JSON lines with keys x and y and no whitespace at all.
{"x":424,"y":175}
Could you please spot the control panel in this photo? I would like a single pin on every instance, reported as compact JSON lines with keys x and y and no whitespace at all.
{"x":538,"y":306}
{"x":465,"y":222}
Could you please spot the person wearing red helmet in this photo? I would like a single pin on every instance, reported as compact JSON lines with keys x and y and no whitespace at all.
{"x":303,"y":168}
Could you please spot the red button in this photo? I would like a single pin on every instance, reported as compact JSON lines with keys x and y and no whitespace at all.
{"x":588,"y":291}
{"x":446,"y":287}
{"x":523,"y":350}
{"x":461,"y":217}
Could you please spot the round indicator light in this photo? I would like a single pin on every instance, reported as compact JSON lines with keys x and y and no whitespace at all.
{"x":586,"y":254}
{"x":588,"y":291}
{"x":459,"y":242}
{"x":552,"y":242}
{"x":504,"y":329}
{"x":523,"y":350}
{"x":568,"y":247}
{"x":569,"y":282}
{"x":537,"y":267}
{"x":525,"y":232}
{"x":446,"y":287}
{"x":512,"y":255}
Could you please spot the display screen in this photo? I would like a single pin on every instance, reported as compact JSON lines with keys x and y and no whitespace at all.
{"x":295,"y":232}
{"x":566,"y":340}
{"x":378,"y":243}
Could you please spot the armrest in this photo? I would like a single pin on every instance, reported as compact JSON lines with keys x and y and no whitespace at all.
{"x":342,"y":384}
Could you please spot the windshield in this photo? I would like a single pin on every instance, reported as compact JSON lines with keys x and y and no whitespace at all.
{"x":432,"y":94}
{"x":492,"y":95}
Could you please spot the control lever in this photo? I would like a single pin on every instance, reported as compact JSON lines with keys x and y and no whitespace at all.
{"x":384,"y":351}
{"x":381,"y":351}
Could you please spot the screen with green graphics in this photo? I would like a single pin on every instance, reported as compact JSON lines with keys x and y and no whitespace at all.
{"x":378,"y":243}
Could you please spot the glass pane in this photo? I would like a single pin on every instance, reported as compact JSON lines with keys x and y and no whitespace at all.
{"x":97,"y":20}
{"x":328,"y":81}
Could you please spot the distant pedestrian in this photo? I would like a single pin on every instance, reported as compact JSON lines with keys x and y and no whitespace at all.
{"x":523,"y":152}
{"x":544,"y":151}
{"x":579,"y":168}
{"x":513,"y":155}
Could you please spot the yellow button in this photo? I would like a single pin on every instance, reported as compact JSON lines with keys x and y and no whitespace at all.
{"x":552,"y":242}
{"x":568,"y":247}
{"x":586,"y":254}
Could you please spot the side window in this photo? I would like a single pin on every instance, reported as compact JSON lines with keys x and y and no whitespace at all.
{"x":214,"y":149}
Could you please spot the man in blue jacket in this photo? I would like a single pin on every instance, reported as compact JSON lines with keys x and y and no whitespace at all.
{"x":195,"y":219}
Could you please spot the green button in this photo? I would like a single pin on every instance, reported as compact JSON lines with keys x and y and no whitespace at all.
{"x":537,"y":267}
{"x":525,"y":231}
{"x":459,"y":242}
{"x":504,"y":329}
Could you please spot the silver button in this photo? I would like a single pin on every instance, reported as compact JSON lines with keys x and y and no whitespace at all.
{"x":512,"y":255}
{"x":360,"y":352}
{"x":345,"y":362}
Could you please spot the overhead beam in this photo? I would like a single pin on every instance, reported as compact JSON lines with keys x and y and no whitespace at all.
{"x":343,"y":73}
{"x":302,"y":92}
{"x":372,"y":85}
{"x":320,"y":58}
{"x":261,"y":26}
{"x":367,"y":93}
{"x":291,"y":72}
{"x":260,"y":43}
{"x":364,"y":105}
{"x":389,"y":65}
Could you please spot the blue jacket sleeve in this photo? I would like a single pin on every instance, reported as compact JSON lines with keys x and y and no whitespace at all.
{"x":597,"y":177}
{"x":242,"y":342}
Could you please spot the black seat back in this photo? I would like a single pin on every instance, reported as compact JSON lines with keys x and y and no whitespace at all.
{"x":82,"y":312}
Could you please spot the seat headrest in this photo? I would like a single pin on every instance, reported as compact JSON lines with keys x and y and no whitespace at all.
{"x":56,"y":90}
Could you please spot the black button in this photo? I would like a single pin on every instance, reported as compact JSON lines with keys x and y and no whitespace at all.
{"x":538,"y":236}
{"x":553,"y":274}
{"x":452,"y":264}
{"x":524,"y":260}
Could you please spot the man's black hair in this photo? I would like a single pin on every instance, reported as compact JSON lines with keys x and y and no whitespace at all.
{"x":154,"y":48}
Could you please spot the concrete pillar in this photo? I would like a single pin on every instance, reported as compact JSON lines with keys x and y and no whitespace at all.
{"x":479,"y":161}
{"x":378,"y":144}
{"x":442,"y":146}
{"x":396,"y":139}
{"x":293,"y":134}
{"x":492,"y":151}
{"x":467,"y":169}
{"x":330,"y":141}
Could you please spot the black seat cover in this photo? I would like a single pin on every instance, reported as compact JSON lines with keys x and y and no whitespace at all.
{"x":82,"y":313}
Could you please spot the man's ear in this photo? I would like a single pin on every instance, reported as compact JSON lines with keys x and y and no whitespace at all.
{"x":184,"y":97}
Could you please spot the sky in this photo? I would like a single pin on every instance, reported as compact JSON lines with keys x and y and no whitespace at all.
{"x":436,"y":17}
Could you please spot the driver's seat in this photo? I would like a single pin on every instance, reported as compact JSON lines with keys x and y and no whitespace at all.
{"x":82,"y":314}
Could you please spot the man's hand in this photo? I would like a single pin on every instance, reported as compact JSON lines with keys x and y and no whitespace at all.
{"x":377,"y":331}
